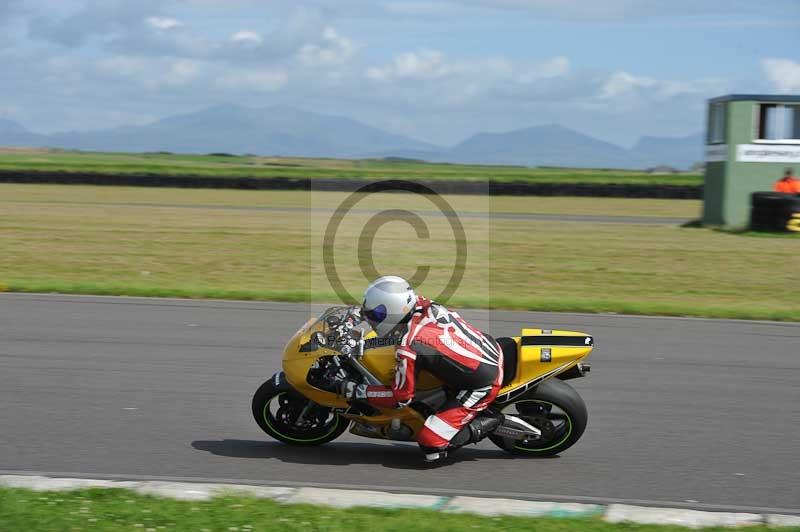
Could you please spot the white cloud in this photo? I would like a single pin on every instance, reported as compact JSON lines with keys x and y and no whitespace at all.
{"x":148,"y":27}
{"x":182,"y":71}
{"x":627,"y":10}
{"x":155,"y":57}
{"x":622,"y":83}
{"x":122,"y":65}
{"x":430,"y":79}
{"x":415,"y":8}
{"x":91,"y":18}
{"x":163,"y":23}
{"x":474,"y":72}
{"x":10,"y":9}
{"x":334,"y":49}
{"x":551,"y":89}
{"x":783,"y":74}
{"x":424,"y":64}
{"x":151,"y":73}
{"x":552,"y":68}
{"x":253,"y":80}
{"x":247,"y":37}
{"x":10,"y":112}
{"x":579,"y":9}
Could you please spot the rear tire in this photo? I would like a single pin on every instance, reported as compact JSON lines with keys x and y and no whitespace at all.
{"x":555,"y":408}
{"x":277,"y":406}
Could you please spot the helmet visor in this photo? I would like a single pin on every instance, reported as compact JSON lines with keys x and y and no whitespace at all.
{"x":375,"y":315}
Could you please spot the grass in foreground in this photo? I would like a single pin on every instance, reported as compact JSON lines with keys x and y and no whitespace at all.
{"x":252,"y":166}
{"x":116,"y":509}
{"x":192,"y":243}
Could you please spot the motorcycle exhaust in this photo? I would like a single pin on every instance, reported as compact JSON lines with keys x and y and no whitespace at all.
{"x":396,"y":431}
{"x":578,"y":370}
{"x":517,"y":429}
{"x":367,"y":431}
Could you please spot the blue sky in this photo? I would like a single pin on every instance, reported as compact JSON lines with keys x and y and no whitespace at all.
{"x":438,"y":70}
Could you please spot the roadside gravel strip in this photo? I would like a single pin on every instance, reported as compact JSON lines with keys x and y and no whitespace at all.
{"x":341,"y":498}
{"x":493,"y":215}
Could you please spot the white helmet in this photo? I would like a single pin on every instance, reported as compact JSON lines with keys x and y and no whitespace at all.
{"x":387,"y":302}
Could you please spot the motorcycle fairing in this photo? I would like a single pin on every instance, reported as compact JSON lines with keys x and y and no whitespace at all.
{"x":544,"y":353}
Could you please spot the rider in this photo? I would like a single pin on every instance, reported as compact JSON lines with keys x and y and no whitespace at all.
{"x":438,"y":340}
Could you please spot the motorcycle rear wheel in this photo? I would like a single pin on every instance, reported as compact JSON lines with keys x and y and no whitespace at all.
{"x":277,"y":407}
{"x":555,"y":408}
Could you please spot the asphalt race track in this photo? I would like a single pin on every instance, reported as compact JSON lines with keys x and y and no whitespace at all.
{"x":686,"y":412}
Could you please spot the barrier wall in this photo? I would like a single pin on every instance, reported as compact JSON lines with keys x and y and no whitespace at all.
{"x":346,"y":185}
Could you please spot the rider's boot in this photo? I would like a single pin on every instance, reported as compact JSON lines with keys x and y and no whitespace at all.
{"x":478,"y":429}
{"x":434,"y":455}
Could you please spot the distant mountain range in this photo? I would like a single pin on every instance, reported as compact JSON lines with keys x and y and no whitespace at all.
{"x":287,"y":131}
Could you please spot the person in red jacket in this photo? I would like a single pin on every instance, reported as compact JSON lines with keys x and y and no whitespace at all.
{"x":433,"y":338}
{"x":788,"y":184}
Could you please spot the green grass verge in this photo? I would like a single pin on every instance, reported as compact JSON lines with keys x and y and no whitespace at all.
{"x":267,"y":245}
{"x":117,"y":510}
{"x":541,"y":305}
{"x":293,"y":167}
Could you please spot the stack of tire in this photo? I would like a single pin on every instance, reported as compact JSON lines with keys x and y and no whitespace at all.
{"x":775,"y":212}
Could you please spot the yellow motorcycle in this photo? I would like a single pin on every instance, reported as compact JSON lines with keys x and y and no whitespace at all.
{"x":542,"y":415}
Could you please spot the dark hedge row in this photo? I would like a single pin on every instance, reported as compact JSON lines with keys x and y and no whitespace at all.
{"x":347,"y":185}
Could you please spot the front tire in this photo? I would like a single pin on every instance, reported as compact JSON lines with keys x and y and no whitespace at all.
{"x":277,"y":407}
{"x":555,"y":408}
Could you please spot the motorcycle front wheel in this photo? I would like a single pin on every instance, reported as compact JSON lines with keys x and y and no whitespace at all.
{"x":291,"y":418}
{"x":553,"y":407}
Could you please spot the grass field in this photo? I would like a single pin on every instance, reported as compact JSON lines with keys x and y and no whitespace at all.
{"x":267,"y":245}
{"x":116,"y":509}
{"x":251,"y":166}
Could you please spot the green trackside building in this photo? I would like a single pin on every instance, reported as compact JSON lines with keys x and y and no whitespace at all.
{"x":751,"y":140}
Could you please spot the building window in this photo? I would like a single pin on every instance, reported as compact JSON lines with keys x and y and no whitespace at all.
{"x":779,"y":122}
{"x":716,"y":123}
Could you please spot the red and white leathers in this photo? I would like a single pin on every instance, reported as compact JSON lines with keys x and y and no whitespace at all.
{"x":467,"y":361}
